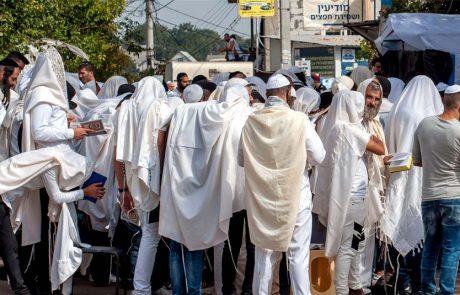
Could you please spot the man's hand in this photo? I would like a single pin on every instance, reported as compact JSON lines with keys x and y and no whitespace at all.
{"x":80,"y":133}
{"x":127,"y":201}
{"x":70,"y":119}
{"x":386,"y":159}
{"x":96,"y":190}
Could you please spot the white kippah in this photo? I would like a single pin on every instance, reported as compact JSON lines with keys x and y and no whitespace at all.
{"x":236,"y":81}
{"x":452,"y":89}
{"x":192,"y":93}
{"x":441,"y":86}
{"x":277,"y":81}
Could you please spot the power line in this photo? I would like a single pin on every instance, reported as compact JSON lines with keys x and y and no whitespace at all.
{"x":213,"y":9}
{"x":164,"y":5}
{"x":191,"y":16}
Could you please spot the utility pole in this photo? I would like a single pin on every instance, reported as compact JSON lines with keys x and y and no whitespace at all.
{"x":149,"y":32}
{"x":285,"y":34}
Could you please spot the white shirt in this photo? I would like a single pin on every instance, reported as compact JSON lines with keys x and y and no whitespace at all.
{"x":236,"y":47}
{"x":175,"y":93}
{"x":360,"y":180}
{"x":49,"y":126}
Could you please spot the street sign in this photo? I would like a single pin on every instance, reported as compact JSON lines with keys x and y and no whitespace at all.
{"x":251,"y":8}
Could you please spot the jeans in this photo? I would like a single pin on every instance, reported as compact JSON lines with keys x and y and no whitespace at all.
{"x":146,"y":259}
{"x":441,"y":220}
{"x":186,"y":269}
{"x":9,"y":252}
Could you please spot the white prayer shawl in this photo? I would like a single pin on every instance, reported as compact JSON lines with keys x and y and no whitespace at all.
{"x":5,"y":127}
{"x":47,"y":85}
{"x":402,"y":219}
{"x":110,"y":88}
{"x":397,"y":87}
{"x":274,"y":163}
{"x":307,"y":100}
{"x":67,"y":253}
{"x":361,"y":73}
{"x":23,"y":172}
{"x":197,"y":194}
{"x":333,"y":186}
{"x":219,"y":92}
{"x":139,"y":121}
{"x":99,"y":150}
{"x":260,"y":84}
{"x":221,"y":77}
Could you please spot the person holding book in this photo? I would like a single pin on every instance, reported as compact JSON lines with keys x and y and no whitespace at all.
{"x":437,"y":150}
{"x":342,"y":200}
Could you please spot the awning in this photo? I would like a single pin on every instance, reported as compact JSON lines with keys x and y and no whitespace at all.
{"x":368,"y":29}
{"x":420,"y":31}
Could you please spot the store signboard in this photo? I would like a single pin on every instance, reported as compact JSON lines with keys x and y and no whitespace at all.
{"x":320,"y":14}
{"x":321,"y":59}
{"x":251,"y":8}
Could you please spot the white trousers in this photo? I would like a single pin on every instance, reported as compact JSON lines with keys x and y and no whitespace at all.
{"x":347,"y":262}
{"x":146,"y":259}
{"x":298,"y":256}
{"x":367,"y":259}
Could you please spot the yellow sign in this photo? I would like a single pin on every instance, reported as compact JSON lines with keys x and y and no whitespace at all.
{"x":251,"y":8}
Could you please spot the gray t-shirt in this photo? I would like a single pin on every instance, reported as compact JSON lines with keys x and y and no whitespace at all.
{"x":437,"y":146}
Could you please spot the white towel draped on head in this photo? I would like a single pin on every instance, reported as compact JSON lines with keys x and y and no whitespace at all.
{"x":199,"y":176}
{"x":402,"y":220}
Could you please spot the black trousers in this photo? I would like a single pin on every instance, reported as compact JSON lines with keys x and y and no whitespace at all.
{"x":235,"y":236}
{"x":9,"y":252}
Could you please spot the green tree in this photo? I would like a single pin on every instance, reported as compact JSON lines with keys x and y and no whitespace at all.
{"x":88,"y":24}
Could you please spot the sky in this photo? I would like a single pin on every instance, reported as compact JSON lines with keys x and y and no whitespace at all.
{"x":217,"y":15}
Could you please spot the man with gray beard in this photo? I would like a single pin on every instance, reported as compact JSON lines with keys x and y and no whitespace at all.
{"x":373,"y":95}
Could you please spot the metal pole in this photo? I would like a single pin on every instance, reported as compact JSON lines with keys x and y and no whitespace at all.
{"x":252,"y":32}
{"x":285,"y":34}
{"x":149,"y":33}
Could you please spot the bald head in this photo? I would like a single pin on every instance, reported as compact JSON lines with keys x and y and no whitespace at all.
{"x":451,"y":101}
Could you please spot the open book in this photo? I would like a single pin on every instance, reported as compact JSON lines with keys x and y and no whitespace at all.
{"x":97,"y":126}
{"x":400,"y":162}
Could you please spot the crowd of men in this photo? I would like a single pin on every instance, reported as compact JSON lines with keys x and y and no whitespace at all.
{"x":180,"y":177}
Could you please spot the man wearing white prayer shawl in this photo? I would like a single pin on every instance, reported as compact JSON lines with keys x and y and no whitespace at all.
{"x":110,"y":87}
{"x":59,"y":171}
{"x":341,"y":196}
{"x":141,"y":125}
{"x":45,"y":125}
{"x":402,"y":219}
{"x":200,"y":183}
{"x":278,"y":198}
{"x":374,"y":99}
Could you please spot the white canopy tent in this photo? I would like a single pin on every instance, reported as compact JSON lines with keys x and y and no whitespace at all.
{"x":420,"y":31}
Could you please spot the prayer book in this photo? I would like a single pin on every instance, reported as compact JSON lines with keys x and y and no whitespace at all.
{"x":94,"y":178}
{"x":96,"y":125}
{"x":400,"y":162}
